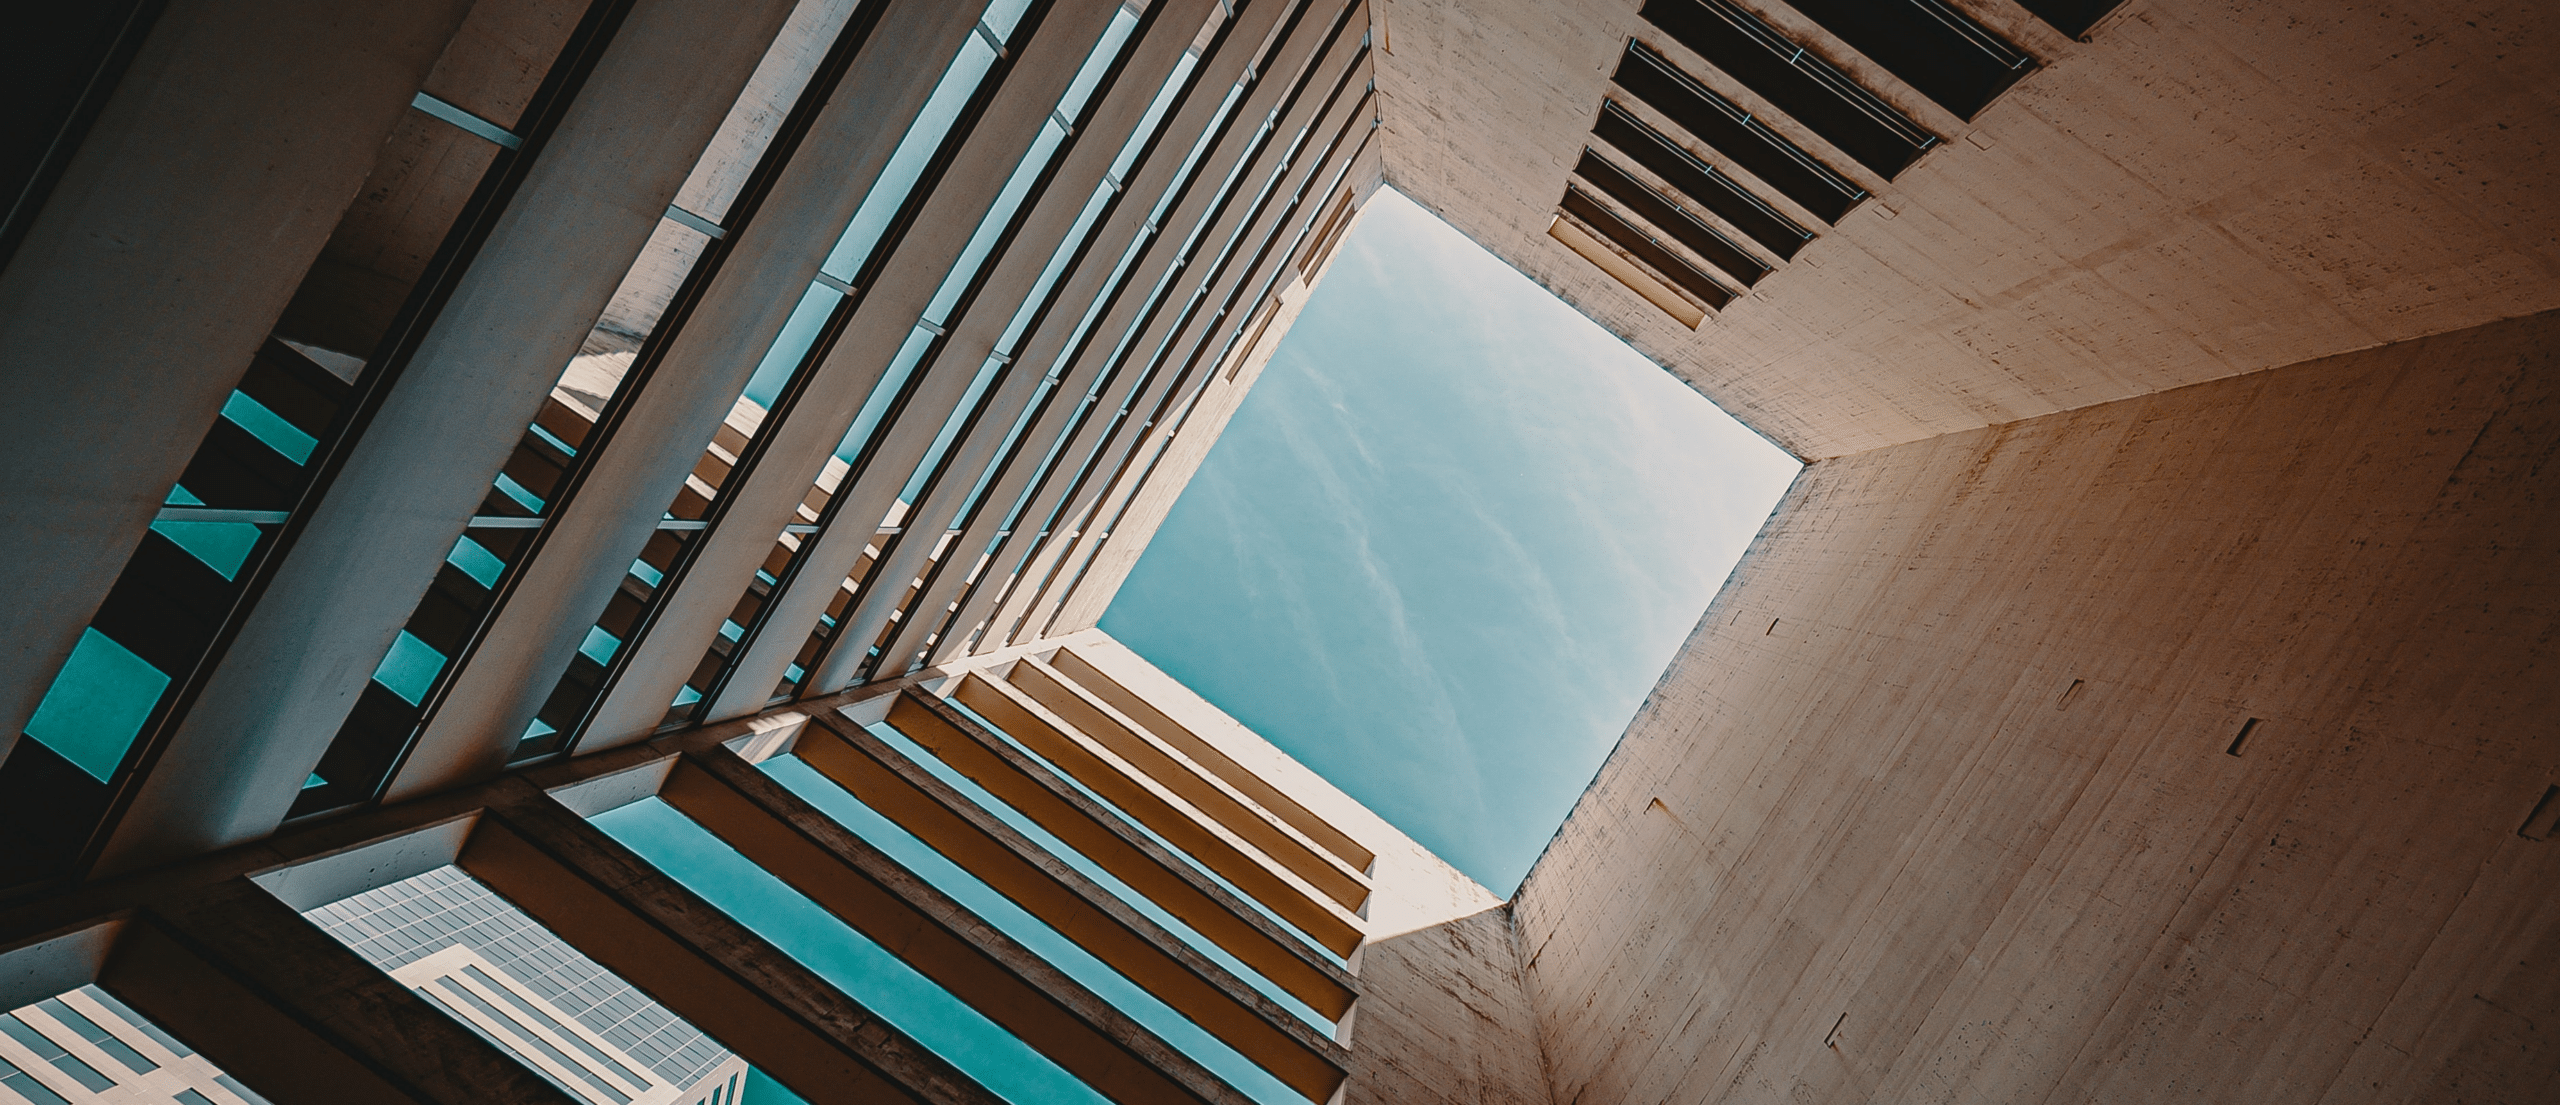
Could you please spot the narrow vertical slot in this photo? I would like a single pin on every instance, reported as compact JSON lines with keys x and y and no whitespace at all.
{"x":2246,"y":728}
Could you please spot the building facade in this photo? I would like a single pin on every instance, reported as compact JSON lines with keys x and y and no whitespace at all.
{"x":502,"y":437}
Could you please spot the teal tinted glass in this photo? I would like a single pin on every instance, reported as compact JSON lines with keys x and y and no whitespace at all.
{"x":97,"y":705}
{"x":268,"y":426}
{"x":409,"y":668}
{"x":479,"y":563}
{"x":841,"y":955}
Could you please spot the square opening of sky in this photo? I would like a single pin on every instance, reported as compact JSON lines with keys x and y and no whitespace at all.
{"x":1448,"y":542}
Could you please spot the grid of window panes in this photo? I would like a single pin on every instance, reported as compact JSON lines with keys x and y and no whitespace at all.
{"x":84,"y":1046}
{"x":400,"y":924}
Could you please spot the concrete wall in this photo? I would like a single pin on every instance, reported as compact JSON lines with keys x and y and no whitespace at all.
{"x":1935,"y":805}
{"x":2203,"y":189}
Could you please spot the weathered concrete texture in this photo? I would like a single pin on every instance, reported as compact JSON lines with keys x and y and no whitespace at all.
{"x":1936,"y":806}
{"x":2204,"y":189}
{"x":1444,"y":1019}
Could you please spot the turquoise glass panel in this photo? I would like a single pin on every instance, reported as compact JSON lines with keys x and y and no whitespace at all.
{"x":599,"y":645}
{"x":223,"y":546}
{"x":268,"y":426}
{"x":97,"y":705}
{"x":477,"y":562}
{"x":798,"y":334}
{"x":763,"y":1090}
{"x":862,"y":969}
{"x":409,"y":668}
{"x":517,"y":491}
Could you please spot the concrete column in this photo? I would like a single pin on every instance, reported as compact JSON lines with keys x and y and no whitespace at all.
{"x":1184,"y":426}
{"x":1124,"y":495}
{"x":769,"y":652}
{"x":296,"y":1015}
{"x":1303,"y":33}
{"x":598,"y":189}
{"x":595,"y":535}
{"x":697,"y":961}
{"x":1012,"y":986}
{"x":1305,"y":98}
{"x":762,"y":500}
{"x":1319,"y":90}
{"x":173,"y":240}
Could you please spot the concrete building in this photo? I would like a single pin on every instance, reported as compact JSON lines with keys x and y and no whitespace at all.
{"x":434,"y":427}
{"x":484,"y":962}
{"x":84,"y":1047}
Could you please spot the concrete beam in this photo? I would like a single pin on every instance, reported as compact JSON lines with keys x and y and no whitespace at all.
{"x":1306,"y":34}
{"x":805,"y":595}
{"x":197,"y":201}
{"x":1323,"y":86}
{"x":1149,"y":802}
{"x":1082,"y":911}
{"x":601,"y":181}
{"x":698,"y":377}
{"x":1235,"y":49}
{"x":700,"y":963}
{"x":1208,"y":757}
{"x":1119,"y":848}
{"x":1134,"y":748}
{"x":764,"y":494}
{"x":296,"y":1015}
{"x":1185,"y":339}
{"x":991,"y":972}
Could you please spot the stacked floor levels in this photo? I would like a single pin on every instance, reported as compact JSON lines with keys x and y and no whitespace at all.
{"x":445,"y":437}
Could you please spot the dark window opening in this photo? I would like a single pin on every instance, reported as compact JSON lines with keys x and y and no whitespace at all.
{"x":1699,"y":181}
{"x":1644,"y":248}
{"x":2071,"y":17}
{"x":1934,"y":48}
{"x":1733,"y":132}
{"x":1866,"y":128}
{"x":2545,"y":817}
{"x":1650,"y":206}
{"x":2246,"y":728}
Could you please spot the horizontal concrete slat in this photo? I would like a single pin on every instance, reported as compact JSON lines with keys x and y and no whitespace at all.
{"x":1145,"y":866}
{"x":1059,"y":742}
{"x":939,"y":937}
{"x":1082,"y":911}
{"x":1210,"y":758}
{"x":296,"y":1015}
{"x":700,"y":963}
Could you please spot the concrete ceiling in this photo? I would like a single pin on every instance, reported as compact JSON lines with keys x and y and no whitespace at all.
{"x":2201,"y":190}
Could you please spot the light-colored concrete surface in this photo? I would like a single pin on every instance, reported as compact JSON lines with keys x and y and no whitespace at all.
{"x":906,"y":441}
{"x":1935,"y":805}
{"x":697,"y":384}
{"x":2203,"y":190}
{"x":482,"y":371}
{"x":190,"y":214}
{"x":765,"y":496}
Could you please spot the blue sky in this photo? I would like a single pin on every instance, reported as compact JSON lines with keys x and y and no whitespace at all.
{"x":1448,"y":542}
